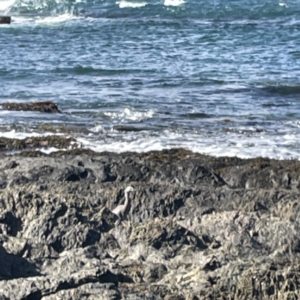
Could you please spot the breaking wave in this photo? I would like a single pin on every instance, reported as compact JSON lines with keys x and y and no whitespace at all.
{"x":38,"y":7}
{"x":195,"y":9}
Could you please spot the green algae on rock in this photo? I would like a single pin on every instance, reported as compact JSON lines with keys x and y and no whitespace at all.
{"x":60,"y":142}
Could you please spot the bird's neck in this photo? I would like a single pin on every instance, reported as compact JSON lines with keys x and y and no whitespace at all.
{"x":126,"y":200}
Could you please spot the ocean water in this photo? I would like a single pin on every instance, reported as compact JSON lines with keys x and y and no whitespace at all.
{"x":220,"y":77}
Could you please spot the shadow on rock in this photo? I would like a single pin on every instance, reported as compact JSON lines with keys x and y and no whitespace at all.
{"x":11,"y":223}
{"x":13,"y":266}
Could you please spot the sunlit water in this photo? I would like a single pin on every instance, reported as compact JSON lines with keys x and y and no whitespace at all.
{"x":217,"y":77}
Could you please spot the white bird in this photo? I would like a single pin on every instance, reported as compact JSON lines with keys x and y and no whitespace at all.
{"x":121,"y":210}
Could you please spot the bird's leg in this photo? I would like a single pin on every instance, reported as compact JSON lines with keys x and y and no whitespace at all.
{"x":118,"y":222}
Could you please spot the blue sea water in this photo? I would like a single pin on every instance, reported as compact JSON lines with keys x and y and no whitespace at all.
{"x":219,"y":77}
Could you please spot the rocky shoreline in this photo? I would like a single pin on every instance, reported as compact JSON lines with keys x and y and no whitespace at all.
{"x":199,"y":227}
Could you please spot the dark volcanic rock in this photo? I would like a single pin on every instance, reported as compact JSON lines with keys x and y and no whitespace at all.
{"x":5,"y":20}
{"x":198,"y":227}
{"x":43,"y":106}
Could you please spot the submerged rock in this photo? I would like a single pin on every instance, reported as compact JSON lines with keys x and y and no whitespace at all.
{"x":61,"y":128}
{"x":198,"y":227}
{"x":43,"y":106}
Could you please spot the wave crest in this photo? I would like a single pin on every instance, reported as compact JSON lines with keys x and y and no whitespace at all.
{"x":192,"y":9}
{"x":38,"y":7}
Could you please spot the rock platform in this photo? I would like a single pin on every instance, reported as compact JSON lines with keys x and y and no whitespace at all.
{"x":199,"y":227}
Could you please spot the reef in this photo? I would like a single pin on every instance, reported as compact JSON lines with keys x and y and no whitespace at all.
{"x":199,"y":227}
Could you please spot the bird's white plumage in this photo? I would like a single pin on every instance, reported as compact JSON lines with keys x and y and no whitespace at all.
{"x":120,"y":210}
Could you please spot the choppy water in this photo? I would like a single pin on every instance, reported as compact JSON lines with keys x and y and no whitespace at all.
{"x":217,"y":77}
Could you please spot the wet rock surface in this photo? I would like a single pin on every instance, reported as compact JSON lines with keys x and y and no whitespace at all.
{"x":46,"y":142}
{"x":42,"y":106}
{"x":5,"y":20}
{"x":198,"y":227}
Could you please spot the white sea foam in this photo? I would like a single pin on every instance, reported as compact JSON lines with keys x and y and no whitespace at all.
{"x":13,"y":134}
{"x":49,"y":150}
{"x":132,"y":4}
{"x":128,"y":114}
{"x":228,"y":144}
{"x":21,"y":20}
{"x":98,"y":129}
{"x":284,"y":146}
{"x":282,"y":3}
{"x":174,"y":2}
{"x":51,"y":20}
{"x":55,"y":19}
{"x":6,"y":4}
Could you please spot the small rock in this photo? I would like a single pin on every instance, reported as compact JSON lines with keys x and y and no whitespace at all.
{"x":5,"y":20}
